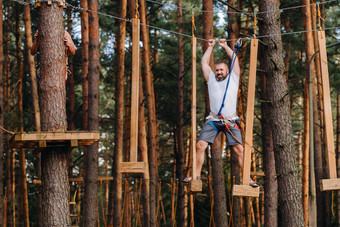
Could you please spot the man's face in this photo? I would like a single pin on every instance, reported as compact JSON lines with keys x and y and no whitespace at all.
{"x":221,"y":71}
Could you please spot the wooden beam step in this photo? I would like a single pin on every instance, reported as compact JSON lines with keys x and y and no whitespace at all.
{"x":195,"y":186}
{"x":246,"y":191}
{"x":133,"y":167}
{"x":330,"y":184}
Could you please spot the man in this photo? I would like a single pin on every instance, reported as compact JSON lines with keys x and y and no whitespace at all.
{"x":217,"y":84}
{"x":70,"y":48}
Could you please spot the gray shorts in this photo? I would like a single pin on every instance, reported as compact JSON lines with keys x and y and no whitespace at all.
{"x":212,"y":128}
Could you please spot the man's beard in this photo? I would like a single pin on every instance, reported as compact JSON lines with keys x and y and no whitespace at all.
{"x":220,"y":79}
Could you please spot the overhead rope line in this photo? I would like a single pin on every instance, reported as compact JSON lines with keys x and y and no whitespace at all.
{"x":245,"y":13}
{"x":178,"y":33}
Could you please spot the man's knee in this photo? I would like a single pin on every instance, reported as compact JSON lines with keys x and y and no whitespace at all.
{"x":238,"y":149}
{"x":201,"y":145}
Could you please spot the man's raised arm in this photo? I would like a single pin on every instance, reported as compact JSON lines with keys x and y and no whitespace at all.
{"x":229,"y":51}
{"x":206,"y":59}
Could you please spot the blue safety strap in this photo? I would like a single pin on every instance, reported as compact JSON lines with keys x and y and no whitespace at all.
{"x":233,"y":59}
{"x":212,"y":124}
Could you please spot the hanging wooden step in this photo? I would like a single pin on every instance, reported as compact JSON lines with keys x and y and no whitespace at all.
{"x":333,"y":183}
{"x":40,"y":140}
{"x":245,"y":189}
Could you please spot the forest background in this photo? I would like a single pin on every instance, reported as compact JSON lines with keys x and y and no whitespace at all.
{"x":171,"y":70}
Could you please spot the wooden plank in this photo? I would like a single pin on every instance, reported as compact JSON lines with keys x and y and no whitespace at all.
{"x":250,"y":112}
{"x":133,"y":167}
{"x":195,"y":186}
{"x":246,"y":191}
{"x":327,"y":106}
{"x":193,"y":108}
{"x":40,"y":147}
{"x":134,"y":90}
{"x":330,"y":184}
{"x":32,"y":139}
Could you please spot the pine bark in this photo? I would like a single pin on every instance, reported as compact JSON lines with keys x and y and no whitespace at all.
{"x":1,"y":119}
{"x":116,"y":193}
{"x":70,"y":81}
{"x":153,"y":146}
{"x":279,"y":116}
{"x":338,"y":156}
{"x":85,"y":60}
{"x":270,"y":187}
{"x":91,"y":178}
{"x":220,"y":200}
{"x":53,"y":116}
{"x":35,"y":97}
{"x":23,"y":218}
{"x":180,"y":165}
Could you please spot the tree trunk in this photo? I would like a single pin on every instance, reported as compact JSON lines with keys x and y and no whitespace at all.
{"x":338,"y":156}
{"x":153,"y":146}
{"x":53,"y":116}
{"x":270,"y":187}
{"x":85,"y":60}
{"x":279,"y":116}
{"x":1,"y":120}
{"x":35,"y":97}
{"x":220,"y":200}
{"x":143,"y":148}
{"x":91,"y":178}
{"x":23,"y":218}
{"x":70,"y":80}
{"x":180,"y":165}
{"x":116,"y":193}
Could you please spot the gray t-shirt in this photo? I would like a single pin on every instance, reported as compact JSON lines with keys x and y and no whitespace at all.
{"x":216,"y":92}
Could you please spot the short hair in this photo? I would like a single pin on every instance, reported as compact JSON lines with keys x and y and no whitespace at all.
{"x":222,"y":62}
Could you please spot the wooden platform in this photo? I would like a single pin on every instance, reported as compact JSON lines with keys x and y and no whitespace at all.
{"x":195,"y":186}
{"x":43,"y":139}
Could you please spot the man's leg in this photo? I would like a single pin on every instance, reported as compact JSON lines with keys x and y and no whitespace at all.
{"x":238,"y":149}
{"x":200,"y":149}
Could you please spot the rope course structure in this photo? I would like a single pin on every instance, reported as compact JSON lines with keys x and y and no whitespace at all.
{"x":187,"y":35}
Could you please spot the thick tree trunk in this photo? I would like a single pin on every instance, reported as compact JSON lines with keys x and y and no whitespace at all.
{"x":180,"y":165}
{"x":91,"y":178}
{"x":279,"y":116}
{"x":23,"y":218}
{"x":53,"y":116}
{"x":153,"y":145}
{"x":116,"y":193}
{"x":270,"y":187}
{"x":220,"y":200}
{"x":1,"y":120}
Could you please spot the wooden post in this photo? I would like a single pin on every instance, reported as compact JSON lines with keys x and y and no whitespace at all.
{"x":194,"y":185}
{"x":245,"y":189}
{"x":134,"y":89}
{"x":333,"y":183}
{"x":133,"y":166}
